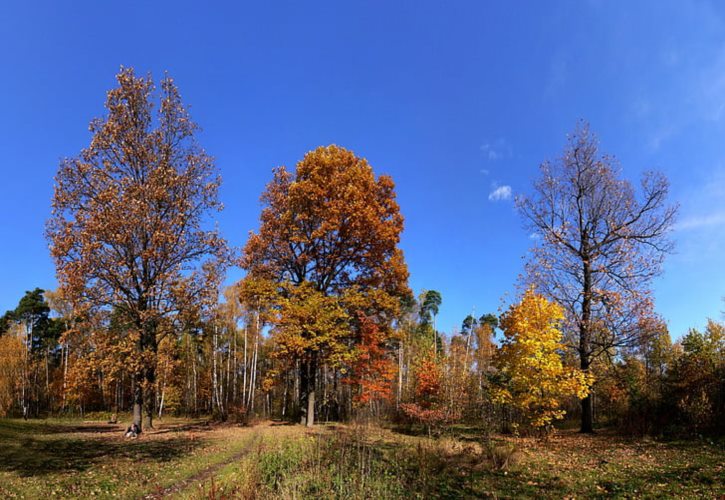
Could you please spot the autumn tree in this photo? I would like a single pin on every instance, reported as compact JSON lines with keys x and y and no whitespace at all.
{"x":530,"y":360}
{"x":429,"y":407}
{"x":479,"y":332}
{"x":256,"y":301}
{"x":599,"y":246}
{"x":696,"y":382}
{"x":127,"y":227}
{"x":372,"y":370}
{"x":328,"y":228}
{"x":12,"y":355}
{"x":31,"y":323}
{"x":408,"y":342}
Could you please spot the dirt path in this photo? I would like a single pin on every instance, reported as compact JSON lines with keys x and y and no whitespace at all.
{"x":203,"y":475}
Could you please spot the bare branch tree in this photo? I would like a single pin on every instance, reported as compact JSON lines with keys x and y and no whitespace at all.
{"x":599,"y":246}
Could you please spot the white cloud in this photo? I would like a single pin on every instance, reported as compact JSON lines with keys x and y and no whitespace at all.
{"x":701,"y":221}
{"x":658,"y":136}
{"x":497,"y":150}
{"x":700,"y":229}
{"x":703,"y":204}
{"x":484,"y":171}
{"x":500,"y":193}
{"x":693,"y":91}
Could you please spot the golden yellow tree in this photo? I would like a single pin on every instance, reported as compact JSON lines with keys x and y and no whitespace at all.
{"x":531,"y":363}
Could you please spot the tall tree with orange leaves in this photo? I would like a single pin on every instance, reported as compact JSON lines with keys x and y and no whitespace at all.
{"x":334,"y":227}
{"x":127,"y":227}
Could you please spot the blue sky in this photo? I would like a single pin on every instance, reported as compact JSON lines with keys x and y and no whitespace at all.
{"x":458,"y":101}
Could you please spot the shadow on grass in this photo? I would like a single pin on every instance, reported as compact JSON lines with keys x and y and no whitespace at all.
{"x":201,"y":426}
{"x":278,"y":422}
{"x":15,"y":428}
{"x":462,"y":433}
{"x":37,"y":449}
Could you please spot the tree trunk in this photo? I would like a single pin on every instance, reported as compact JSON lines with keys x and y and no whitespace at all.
{"x":587,"y":415}
{"x":308,"y":371}
{"x":253,"y":378}
{"x":304,"y":376}
{"x":161,"y":403}
{"x":227,"y":387}
{"x":149,"y":396}
{"x":311,"y":406}
{"x":144,"y":398}
{"x":587,"y":423}
{"x":47,"y":370}
{"x":235,"y":367}
{"x":216,"y":396}
{"x":435,"y":336}
{"x":137,"y":399}
{"x":246,"y":368}
{"x":399,"y":396}
{"x":64,"y":358}
{"x":195,"y":384}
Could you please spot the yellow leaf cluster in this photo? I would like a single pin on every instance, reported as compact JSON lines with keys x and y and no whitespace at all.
{"x":530,"y":359}
{"x":310,"y":321}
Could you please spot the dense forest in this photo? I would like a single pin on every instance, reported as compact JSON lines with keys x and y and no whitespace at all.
{"x":324,"y":326}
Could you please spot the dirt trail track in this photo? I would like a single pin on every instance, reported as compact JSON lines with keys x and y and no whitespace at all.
{"x":203,"y":475}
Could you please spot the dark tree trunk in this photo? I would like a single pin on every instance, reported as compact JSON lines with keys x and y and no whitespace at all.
{"x":587,"y":423}
{"x":144,"y":383}
{"x":304,"y":376}
{"x":149,"y":396}
{"x":587,"y":415}
{"x":308,"y":372}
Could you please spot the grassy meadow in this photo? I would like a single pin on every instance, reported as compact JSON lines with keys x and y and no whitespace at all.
{"x":195,"y":459}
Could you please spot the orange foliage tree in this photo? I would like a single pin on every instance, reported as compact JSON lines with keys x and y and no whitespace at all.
{"x":372,"y":370}
{"x":428,"y":409}
{"x":12,"y":352}
{"x":331,"y":227}
{"x":126,"y":230}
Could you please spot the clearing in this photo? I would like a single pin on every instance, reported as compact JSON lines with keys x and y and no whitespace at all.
{"x":193,"y":459}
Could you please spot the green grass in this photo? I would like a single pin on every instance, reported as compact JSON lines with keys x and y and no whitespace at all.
{"x":373,"y":463}
{"x":57,"y":458}
{"x":185,"y":459}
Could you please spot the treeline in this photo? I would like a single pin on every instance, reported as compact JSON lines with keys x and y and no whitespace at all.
{"x":228,"y":367}
{"x":324,"y":324}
